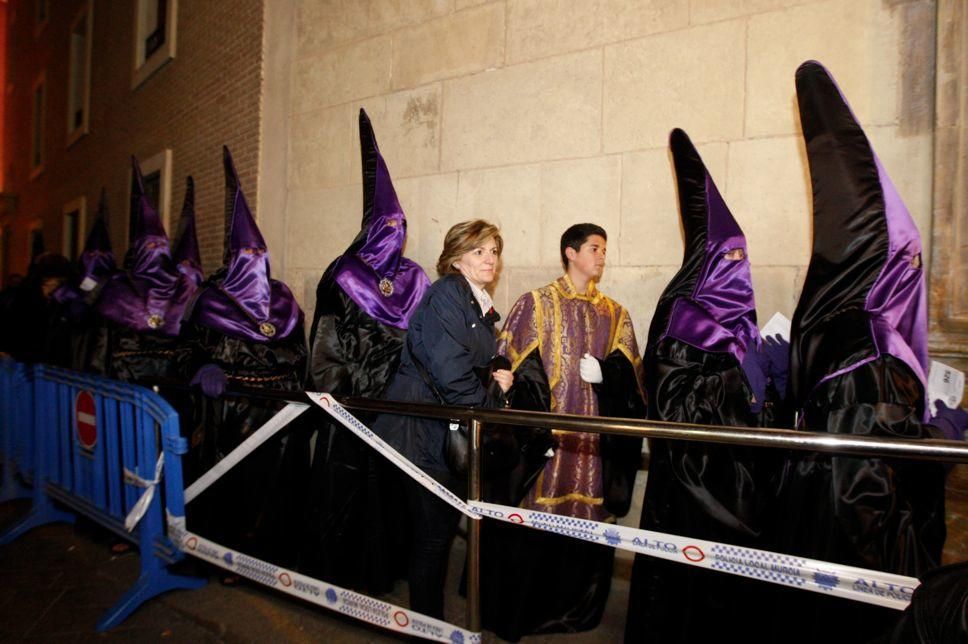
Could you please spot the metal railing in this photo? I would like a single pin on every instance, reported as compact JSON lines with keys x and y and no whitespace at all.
{"x":918,"y":449}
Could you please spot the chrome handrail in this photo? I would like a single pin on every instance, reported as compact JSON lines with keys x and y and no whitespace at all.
{"x":920,"y":449}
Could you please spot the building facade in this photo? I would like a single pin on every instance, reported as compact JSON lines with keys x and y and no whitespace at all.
{"x":535,"y":114}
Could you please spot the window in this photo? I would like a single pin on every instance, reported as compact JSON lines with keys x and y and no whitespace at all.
{"x":75,"y":215}
{"x":154,"y":42}
{"x":156,"y":172}
{"x":79,"y":79}
{"x":38,"y":110}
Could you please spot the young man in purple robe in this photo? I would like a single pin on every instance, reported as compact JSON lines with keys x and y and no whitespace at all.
{"x":364,"y":301}
{"x":572,"y":350}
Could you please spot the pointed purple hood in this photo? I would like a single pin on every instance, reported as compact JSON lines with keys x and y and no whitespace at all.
{"x":241,"y":299}
{"x":150,"y":295}
{"x":709,"y":303}
{"x":864,"y":295}
{"x":186,"y":255}
{"x":97,"y":259}
{"x":373,"y":271}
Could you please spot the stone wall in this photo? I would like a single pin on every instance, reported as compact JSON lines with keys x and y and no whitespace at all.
{"x":538,"y":114}
{"x":210,"y":94}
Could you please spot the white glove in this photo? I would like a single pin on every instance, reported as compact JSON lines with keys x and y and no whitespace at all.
{"x":590,"y":369}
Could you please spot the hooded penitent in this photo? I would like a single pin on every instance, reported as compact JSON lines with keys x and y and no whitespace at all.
{"x":96,"y":262}
{"x":149,"y":295}
{"x":250,"y":327}
{"x":70,"y":337}
{"x":373,"y":271}
{"x":97,"y":259}
{"x":242,"y":300}
{"x":364,"y":301}
{"x":705,"y":322}
{"x":709,"y":303}
{"x":864,"y":294}
{"x":857,"y":368}
{"x":186,"y":256}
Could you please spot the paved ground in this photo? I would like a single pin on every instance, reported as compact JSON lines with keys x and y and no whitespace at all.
{"x":59,"y":579}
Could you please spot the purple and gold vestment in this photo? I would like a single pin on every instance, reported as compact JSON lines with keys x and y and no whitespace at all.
{"x":562,"y":325}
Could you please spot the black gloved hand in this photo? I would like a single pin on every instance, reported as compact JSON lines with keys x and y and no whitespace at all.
{"x":755,"y":366}
{"x":778,"y":352}
{"x":952,"y":422}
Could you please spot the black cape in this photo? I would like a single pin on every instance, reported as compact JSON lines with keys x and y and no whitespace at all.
{"x":533,"y":581}
{"x":256,"y":506}
{"x":705,"y":491}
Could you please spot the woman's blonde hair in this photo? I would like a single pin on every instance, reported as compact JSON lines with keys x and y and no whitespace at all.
{"x":464,"y":237}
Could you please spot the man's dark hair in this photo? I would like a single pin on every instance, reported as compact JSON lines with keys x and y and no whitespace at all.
{"x":577,"y":235}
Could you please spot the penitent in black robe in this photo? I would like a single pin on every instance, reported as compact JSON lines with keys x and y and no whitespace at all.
{"x":704,"y":325}
{"x":354,"y":492}
{"x":249,"y":326}
{"x":354,"y":519}
{"x":858,"y":367}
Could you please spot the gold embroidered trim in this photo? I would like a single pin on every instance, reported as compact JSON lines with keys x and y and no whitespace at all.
{"x":567,"y":289}
{"x":539,"y":497}
{"x":257,"y":378}
{"x":161,"y":353}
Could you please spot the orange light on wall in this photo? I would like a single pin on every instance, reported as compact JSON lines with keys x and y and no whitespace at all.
{"x":3,"y":86}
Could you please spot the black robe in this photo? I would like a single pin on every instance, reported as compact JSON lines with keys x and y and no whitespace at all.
{"x":74,"y":334}
{"x":717,"y":492}
{"x":255,"y":507}
{"x":859,"y":337}
{"x":533,"y":581}
{"x":354,"y":493}
{"x":132,"y":356}
{"x":938,"y":613}
{"x":878,"y":513}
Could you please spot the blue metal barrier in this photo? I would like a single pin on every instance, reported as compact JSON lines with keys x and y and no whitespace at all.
{"x":95,"y":442}
{"x":16,"y":429}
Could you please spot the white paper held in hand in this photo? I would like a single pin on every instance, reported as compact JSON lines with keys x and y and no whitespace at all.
{"x":779,"y":323}
{"x":945,"y":383}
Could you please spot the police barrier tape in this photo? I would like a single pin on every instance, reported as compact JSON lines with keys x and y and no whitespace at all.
{"x":246,"y":447}
{"x":870,"y":586}
{"x":321,"y":593}
{"x":353,"y":424}
{"x":143,"y":503}
{"x":859,"y":584}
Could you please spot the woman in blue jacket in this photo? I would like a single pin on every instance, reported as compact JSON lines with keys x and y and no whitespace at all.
{"x":450,"y":335}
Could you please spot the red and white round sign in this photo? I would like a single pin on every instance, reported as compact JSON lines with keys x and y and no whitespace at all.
{"x":85,"y":420}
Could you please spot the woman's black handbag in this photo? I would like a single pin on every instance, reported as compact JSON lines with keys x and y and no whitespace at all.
{"x":456,"y":441}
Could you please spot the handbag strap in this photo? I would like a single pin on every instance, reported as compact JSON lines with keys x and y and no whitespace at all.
{"x":424,"y":375}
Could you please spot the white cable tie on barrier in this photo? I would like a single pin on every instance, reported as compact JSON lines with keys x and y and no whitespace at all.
{"x":246,"y":447}
{"x":321,"y":593}
{"x":353,"y":424}
{"x":141,"y":506}
{"x":859,"y":584}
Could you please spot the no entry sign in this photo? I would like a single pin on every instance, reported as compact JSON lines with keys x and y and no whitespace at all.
{"x":85,"y":420}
